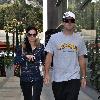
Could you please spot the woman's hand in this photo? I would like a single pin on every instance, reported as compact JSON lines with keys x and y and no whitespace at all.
{"x":46,"y":79}
{"x":30,"y":57}
{"x":14,"y":66}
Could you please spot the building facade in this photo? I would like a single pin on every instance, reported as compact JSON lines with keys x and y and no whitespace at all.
{"x":55,"y":9}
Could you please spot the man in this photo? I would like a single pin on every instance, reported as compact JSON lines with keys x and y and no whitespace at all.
{"x":67,"y":49}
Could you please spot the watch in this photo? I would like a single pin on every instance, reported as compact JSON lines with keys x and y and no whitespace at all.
{"x":84,"y":77}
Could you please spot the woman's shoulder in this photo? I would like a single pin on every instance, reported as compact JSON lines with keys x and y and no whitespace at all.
{"x":41,"y":45}
{"x":18,"y":50}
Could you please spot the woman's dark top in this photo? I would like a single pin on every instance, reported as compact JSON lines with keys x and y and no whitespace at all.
{"x":31,"y":71}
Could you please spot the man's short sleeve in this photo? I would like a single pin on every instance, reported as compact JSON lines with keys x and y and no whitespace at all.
{"x":50,"y":46}
{"x":82,"y":48}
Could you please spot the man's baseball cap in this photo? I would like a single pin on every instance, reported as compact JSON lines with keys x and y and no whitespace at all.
{"x":68,"y":14}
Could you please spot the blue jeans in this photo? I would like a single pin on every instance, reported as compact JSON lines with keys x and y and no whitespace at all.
{"x":27,"y":89}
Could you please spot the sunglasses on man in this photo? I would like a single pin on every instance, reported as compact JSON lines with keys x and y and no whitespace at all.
{"x":69,"y":20}
{"x":29,"y":35}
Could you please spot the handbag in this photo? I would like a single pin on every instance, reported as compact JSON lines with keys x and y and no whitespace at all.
{"x":17,"y":66}
{"x":17,"y":70}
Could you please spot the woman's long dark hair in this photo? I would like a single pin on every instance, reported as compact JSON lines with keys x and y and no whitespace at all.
{"x":26,"y":46}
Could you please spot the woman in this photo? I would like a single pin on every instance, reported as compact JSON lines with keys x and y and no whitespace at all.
{"x":31,"y":59}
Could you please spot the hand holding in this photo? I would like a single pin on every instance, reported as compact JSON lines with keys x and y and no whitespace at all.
{"x":30,"y":57}
{"x":46,"y":79}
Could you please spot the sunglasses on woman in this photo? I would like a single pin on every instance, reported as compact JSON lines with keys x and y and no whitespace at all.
{"x":69,"y":20}
{"x":29,"y":35}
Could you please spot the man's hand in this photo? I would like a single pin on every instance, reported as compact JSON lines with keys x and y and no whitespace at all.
{"x":83,"y":83}
{"x":47,"y":64}
{"x":82,"y":63}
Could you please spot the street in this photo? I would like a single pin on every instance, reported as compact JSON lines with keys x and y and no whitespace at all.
{"x":10,"y":90}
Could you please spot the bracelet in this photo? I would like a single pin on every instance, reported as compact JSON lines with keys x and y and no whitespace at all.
{"x":84,"y":77}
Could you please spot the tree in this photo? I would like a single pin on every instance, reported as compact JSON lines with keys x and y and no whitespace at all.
{"x":20,"y":10}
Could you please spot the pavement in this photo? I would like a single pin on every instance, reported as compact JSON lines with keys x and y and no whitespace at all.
{"x":10,"y":90}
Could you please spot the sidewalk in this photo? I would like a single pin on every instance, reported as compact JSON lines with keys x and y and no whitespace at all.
{"x":2,"y":81}
{"x":10,"y":90}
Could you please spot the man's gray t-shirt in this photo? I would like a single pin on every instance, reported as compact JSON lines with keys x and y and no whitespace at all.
{"x":65,"y":50}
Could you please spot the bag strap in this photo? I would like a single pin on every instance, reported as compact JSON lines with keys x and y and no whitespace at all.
{"x":22,"y":51}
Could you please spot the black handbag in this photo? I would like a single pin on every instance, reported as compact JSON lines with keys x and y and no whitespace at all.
{"x":17,"y":66}
{"x":17,"y":70}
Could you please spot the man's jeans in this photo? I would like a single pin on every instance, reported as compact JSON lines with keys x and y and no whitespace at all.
{"x":66,"y":90}
{"x":28,"y":87}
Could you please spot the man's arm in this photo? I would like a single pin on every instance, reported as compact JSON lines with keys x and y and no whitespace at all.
{"x":82,"y":63}
{"x":48,"y":61}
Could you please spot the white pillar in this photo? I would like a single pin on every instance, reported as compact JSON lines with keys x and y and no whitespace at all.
{"x":67,"y":4}
{"x":44,"y":16}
